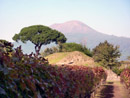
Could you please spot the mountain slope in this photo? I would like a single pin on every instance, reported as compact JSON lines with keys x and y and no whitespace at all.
{"x":78,"y":32}
{"x":72,"y":27}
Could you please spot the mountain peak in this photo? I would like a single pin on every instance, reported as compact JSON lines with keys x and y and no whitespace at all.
{"x":72,"y":26}
{"x":75,"y":22}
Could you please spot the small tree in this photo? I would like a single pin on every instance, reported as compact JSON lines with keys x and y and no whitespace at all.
{"x":106,"y":54}
{"x":40,"y":35}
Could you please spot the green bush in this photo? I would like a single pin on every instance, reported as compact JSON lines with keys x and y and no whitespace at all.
{"x":49,"y":51}
{"x":69,"y":47}
{"x":117,"y":70}
{"x":6,"y":46}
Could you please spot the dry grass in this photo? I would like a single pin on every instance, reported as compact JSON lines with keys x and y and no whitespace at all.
{"x":56,"y":57}
{"x":71,"y":58}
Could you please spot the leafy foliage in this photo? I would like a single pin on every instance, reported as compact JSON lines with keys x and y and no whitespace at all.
{"x":106,"y":54}
{"x":27,"y":76}
{"x":39,"y":35}
{"x":49,"y":51}
{"x":6,"y":46}
{"x":69,"y":47}
{"x":117,"y":70}
{"x":66,"y":47}
{"x":125,"y":77}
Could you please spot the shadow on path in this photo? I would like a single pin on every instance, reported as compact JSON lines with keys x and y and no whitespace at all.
{"x":107,"y":91}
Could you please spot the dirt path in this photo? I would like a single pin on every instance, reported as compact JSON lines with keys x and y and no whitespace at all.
{"x":113,"y":88}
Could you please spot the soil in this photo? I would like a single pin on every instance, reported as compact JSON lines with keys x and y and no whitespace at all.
{"x":77,"y":58}
{"x":113,"y":88}
{"x":71,"y":58}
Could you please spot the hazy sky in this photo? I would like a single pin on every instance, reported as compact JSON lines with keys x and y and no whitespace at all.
{"x":107,"y":16}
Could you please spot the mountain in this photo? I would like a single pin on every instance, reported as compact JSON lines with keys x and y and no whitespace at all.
{"x":72,"y":27}
{"x":78,"y":32}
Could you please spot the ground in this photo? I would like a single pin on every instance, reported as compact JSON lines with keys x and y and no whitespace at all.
{"x":113,"y":88}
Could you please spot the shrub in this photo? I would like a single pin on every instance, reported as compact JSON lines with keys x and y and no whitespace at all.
{"x":6,"y":46}
{"x":49,"y":51}
{"x":125,"y":78}
{"x":69,"y":47}
{"x":30,"y":76}
{"x":117,"y":70}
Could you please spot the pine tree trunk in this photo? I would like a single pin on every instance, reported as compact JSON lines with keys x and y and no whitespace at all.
{"x":37,"y":49}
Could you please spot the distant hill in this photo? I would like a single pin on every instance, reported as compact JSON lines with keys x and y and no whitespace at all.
{"x":71,"y":58}
{"x":78,"y":32}
{"x":72,"y":27}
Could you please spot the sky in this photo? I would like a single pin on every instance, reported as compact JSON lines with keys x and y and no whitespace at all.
{"x":107,"y":16}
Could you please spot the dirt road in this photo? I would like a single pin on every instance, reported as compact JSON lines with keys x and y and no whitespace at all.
{"x":112,"y":90}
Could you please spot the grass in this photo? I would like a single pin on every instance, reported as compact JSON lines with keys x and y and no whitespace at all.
{"x":76,"y":57}
{"x":56,"y":57}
